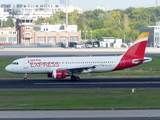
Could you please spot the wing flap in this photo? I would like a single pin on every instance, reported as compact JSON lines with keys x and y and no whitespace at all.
{"x":79,"y":69}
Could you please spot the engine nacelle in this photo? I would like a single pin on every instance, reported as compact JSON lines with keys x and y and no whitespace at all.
{"x":87,"y":71}
{"x":58,"y":74}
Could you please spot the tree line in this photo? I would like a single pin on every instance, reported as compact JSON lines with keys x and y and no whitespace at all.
{"x":95,"y":24}
{"x":8,"y":23}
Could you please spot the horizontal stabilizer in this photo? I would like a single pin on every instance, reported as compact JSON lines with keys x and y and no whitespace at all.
{"x":142,"y":60}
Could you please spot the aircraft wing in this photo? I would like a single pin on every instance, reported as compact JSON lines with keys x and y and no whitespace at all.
{"x":79,"y":69}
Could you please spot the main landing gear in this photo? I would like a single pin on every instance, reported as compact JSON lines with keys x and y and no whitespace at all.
{"x":25,"y":78}
{"x":75,"y":78}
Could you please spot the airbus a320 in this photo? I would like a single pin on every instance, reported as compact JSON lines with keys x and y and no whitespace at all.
{"x":62,"y":67}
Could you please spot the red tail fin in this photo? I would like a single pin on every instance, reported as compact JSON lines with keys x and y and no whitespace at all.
{"x":138,"y":48}
{"x":135,"y":52}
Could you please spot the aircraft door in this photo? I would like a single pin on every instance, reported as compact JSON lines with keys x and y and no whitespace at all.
{"x":25,"y":64}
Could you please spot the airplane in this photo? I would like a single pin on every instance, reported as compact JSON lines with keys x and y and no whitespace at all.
{"x":62,"y":67}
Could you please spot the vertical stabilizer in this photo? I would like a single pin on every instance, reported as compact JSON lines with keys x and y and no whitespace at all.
{"x":135,"y":53}
{"x":139,"y":46}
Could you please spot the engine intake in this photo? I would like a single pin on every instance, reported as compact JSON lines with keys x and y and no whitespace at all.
{"x":58,"y":74}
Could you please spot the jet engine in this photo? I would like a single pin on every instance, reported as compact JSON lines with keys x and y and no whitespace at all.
{"x":58,"y":74}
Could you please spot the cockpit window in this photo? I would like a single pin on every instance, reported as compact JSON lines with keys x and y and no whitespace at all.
{"x":14,"y":63}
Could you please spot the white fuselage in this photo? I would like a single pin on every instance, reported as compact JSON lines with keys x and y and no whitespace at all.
{"x":47,"y":65}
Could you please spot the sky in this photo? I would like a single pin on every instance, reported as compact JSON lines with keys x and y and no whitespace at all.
{"x":92,"y":4}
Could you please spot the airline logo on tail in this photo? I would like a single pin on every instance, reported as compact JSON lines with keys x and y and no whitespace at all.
{"x":135,"y":54}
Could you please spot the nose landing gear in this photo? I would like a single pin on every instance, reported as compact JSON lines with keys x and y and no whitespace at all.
{"x":25,"y":78}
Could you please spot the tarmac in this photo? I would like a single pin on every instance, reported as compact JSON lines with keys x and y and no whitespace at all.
{"x":81,"y":114}
{"x":148,"y":49}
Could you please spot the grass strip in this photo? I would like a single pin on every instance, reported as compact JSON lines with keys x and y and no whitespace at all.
{"x":78,"y":99}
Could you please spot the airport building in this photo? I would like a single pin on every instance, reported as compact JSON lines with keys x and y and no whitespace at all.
{"x":3,"y":15}
{"x":36,"y":11}
{"x":8,"y":36}
{"x":154,"y":38}
{"x":45,"y":33}
{"x":111,"y":42}
{"x":28,"y":33}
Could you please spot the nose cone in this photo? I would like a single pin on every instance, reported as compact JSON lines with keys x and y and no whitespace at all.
{"x":8,"y":68}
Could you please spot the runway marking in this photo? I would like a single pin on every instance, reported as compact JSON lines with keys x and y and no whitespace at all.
{"x":97,"y":83}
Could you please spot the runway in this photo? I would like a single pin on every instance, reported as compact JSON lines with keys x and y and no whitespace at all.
{"x":20,"y":54}
{"x":59,"y":52}
{"x":62,"y":54}
{"x":81,"y":115}
{"x":108,"y":83}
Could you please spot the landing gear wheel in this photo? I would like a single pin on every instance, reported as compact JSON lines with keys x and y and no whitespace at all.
{"x":25,"y":79}
{"x":73,"y":77}
{"x":77,"y":78}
